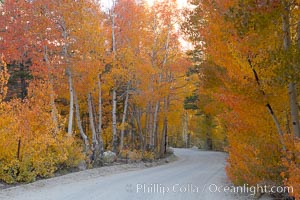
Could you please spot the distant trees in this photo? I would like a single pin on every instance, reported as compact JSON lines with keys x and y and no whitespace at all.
{"x":90,"y":81}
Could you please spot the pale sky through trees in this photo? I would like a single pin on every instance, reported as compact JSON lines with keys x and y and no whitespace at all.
{"x":181,"y":3}
{"x":108,"y":3}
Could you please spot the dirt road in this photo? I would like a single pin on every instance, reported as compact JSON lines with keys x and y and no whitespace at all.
{"x":195,"y":175}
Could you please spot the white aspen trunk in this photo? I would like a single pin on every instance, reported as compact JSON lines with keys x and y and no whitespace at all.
{"x":298,"y":36}
{"x":286,"y":25}
{"x":154,"y":53}
{"x":79,"y":124}
{"x":53,"y":108}
{"x":69,"y":74}
{"x":166,"y":99}
{"x":269,"y":107}
{"x":91,"y":119}
{"x":124,"y":117}
{"x":114,"y":119}
{"x":164,"y":140}
{"x":157,"y":104}
{"x":147,"y":123}
{"x":140,"y":130}
{"x":167,"y":46}
{"x":185,"y":129}
{"x":294,"y":108}
{"x":293,"y":96}
{"x":131,"y":133}
{"x":113,"y":28}
{"x":52,"y":99}
{"x":96,"y":148}
{"x":150,"y":125}
{"x":277,"y":124}
{"x":292,"y":90}
{"x":131,"y":139}
{"x":155,"y":124}
{"x":114,"y":92}
{"x":71,"y":111}
{"x":100,"y":139}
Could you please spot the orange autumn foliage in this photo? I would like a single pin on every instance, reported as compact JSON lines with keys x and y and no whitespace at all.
{"x":245,"y":40}
{"x":291,"y":175}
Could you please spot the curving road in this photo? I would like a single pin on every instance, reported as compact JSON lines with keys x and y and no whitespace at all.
{"x":195,"y":175}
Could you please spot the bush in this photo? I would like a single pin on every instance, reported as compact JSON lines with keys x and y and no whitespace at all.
{"x":29,"y":148}
{"x":149,"y":156}
{"x":135,"y":155}
{"x":41,"y":162}
{"x":124,"y":153}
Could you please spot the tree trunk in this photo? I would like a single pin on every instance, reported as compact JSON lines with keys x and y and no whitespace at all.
{"x":113,"y":28}
{"x":124,"y":117}
{"x":131,"y":139}
{"x":71,"y":111}
{"x":292,"y":90}
{"x":164,"y":140}
{"x":100,"y":140}
{"x":131,"y":133}
{"x":277,"y":124}
{"x":148,"y":125}
{"x":69,"y":74}
{"x":294,"y":109}
{"x":96,"y":151}
{"x":167,"y":45}
{"x":114,"y":92}
{"x":286,"y":25}
{"x":298,"y":36}
{"x":52,"y":99}
{"x":268,"y":106}
{"x":114,"y":120}
{"x":140,"y":130}
{"x":79,"y":124}
{"x":155,"y":125}
{"x":163,"y":148}
{"x":185,"y":129}
{"x":288,"y":130}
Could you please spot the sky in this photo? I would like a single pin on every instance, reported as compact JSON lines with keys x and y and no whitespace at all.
{"x":181,"y":3}
{"x":108,"y":3}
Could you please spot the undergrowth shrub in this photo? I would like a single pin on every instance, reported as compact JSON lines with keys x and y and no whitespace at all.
{"x":29,"y":146}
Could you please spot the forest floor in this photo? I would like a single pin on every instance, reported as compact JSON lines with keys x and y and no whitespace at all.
{"x":194,"y":175}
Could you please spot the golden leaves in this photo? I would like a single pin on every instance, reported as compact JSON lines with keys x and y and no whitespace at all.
{"x":28,"y":147}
